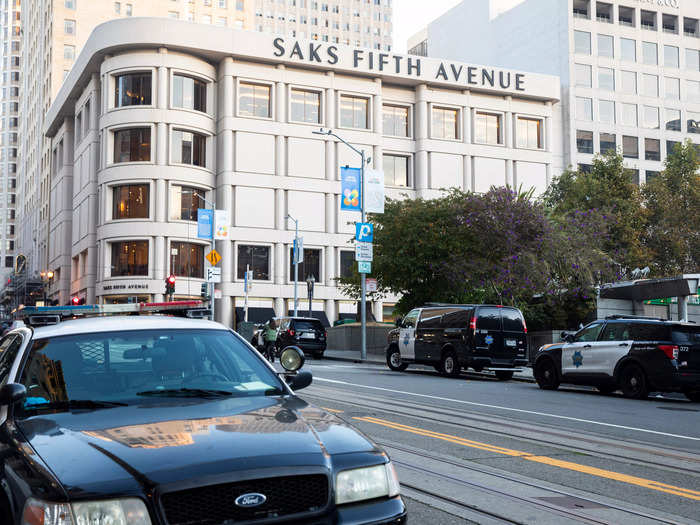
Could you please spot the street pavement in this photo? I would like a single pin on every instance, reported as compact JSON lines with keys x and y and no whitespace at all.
{"x":477,"y":450}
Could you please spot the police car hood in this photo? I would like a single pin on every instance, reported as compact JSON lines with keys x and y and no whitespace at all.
{"x":116,"y":450}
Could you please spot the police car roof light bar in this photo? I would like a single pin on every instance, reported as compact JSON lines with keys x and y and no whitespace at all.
{"x":107,"y":309}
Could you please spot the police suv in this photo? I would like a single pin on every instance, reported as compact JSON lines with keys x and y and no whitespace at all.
{"x":637,"y":355}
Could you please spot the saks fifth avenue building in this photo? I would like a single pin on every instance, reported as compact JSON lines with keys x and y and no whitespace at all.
{"x":158,"y":115}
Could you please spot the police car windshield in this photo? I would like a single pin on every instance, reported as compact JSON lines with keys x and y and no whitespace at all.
{"x":121,"y":366}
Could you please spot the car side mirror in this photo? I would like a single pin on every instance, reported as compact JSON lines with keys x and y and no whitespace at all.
{"x":567,"y":337}
{"x":398,"y":322}
{"x":12,"y":393}
{"x":300,"y":380}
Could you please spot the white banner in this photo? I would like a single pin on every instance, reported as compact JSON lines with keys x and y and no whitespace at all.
{"x":222,"y":225}
{"x":374,"y":191}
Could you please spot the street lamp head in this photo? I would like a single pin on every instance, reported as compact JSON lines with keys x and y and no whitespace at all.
{"x":322,"y":131}
{"x":49,"y":274}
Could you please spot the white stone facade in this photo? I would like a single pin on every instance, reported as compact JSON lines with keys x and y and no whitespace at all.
{"x":263,"y":167}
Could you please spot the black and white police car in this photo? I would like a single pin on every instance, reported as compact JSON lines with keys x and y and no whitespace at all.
{"x":634,"y":354}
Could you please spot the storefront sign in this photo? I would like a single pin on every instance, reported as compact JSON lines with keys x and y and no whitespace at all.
{"x":122,"y":287}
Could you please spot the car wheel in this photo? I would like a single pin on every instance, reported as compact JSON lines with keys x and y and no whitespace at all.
{"x":546,"y":375}
{"x":694,"y":396}
{"x":394,"y":361}
{"x":504,"y":375}
{"x":449,"y":366}
{"x":606,"y":389}
{"x":633,"y":382}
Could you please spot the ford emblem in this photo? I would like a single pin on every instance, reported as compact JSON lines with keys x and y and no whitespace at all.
{"x":253,"y":499}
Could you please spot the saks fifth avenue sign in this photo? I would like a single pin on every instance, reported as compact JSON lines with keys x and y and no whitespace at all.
{"x":410,"y":66}
{"x":662,"y":3}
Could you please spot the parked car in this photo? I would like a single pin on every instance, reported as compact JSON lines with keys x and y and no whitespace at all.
{"x":306,"y":333}
{"x":635,"y":355}
{"x":453,"y":337}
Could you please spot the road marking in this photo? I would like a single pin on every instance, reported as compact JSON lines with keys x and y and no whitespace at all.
{"x":332,"y":410}
{"x":567,"y":465}
{"x":520,"y":410}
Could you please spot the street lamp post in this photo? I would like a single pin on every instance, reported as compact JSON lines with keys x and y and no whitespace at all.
{"x":213,"y":246}
{"x":295,"y":255}
{"x":363,"y":277}
{"x":46,"y":278}
{"x":310,"y":280}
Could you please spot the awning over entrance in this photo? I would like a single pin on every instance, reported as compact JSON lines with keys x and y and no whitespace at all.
{"x":255,"y":314}
{"x":641,"y":290}
{"x":316,"y":314}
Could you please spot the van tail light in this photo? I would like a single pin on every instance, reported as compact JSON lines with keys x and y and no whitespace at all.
{"x":524,"y":326}
{"x":290,"y":332}
{"x":472,"y":324}
{"x":671,"y":351}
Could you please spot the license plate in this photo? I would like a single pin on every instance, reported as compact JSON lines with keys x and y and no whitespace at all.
{"x":308,"y":336}
{"x":511,"y":342}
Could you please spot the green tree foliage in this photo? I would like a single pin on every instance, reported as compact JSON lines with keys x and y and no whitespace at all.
{"x":672,"y":233}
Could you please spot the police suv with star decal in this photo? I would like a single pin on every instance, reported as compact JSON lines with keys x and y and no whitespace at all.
{"x":162,"y":420}
{"x":636,"y":355}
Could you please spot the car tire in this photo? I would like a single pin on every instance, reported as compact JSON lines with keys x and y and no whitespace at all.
{"x":633,"y":382}
{"x":449,"y":366}
{"x":546,"y":374}
{"x":693,"y":396}
{"x":394,"y":361}
{"x":504,"y":375}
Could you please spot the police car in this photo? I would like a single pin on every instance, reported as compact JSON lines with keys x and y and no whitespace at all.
{"x":152,"y":419}
{"x":636,"y":355}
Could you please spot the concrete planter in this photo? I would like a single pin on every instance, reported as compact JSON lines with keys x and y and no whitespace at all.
{"x":348,"y":338}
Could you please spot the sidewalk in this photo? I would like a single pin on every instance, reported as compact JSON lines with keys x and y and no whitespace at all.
{"x":373,"y":359}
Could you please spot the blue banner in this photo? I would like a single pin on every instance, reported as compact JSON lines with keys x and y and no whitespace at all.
{"x":205,"y":224}
{"x":351,"y":193}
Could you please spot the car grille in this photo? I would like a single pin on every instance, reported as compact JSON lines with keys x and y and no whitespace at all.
{"x":214,"y":504}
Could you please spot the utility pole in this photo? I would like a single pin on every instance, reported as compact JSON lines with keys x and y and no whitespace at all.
{"x":295,"y":256}
{"x":212,"y":242}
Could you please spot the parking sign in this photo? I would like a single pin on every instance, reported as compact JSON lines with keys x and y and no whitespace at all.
{"x":364,"y":232}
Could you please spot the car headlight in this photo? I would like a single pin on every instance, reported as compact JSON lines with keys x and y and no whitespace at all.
{"x":366,"y":483}
{"x":130,"y":511}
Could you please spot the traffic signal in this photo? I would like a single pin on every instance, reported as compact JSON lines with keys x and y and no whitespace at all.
{"x":205,"y":291}
{"x":77,"y":301}
{"x":170,"y":285}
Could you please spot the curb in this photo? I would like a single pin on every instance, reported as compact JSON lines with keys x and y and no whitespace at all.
{"x":522,"y":379}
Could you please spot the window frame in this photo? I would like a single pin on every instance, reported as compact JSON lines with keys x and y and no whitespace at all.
{"x":370,"y":109}
{"x":171,"y":260}
{"x":458,"y":123}
{"x":256,"y":82}
{"x":339,"y":261}
{"x":409,"y":118}
{"x":127,"y":71}
{"x":321,"y":103}
{"x":542,"y":139}
{"x":112,"y":187}
{"x":149,"y":251}
{"x":183,"y":184}
{"x":409,"y":168}
{"x":208,"y":83}
{"x":112,"y":143}
{"x":270,"y":261}
{"x":320,"y":279}
{"x":207,"y":140}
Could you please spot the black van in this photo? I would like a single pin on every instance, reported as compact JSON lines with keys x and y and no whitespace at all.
{"x":452,"y":337}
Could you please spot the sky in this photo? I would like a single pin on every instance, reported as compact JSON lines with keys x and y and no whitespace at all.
{"x":410,"y":16}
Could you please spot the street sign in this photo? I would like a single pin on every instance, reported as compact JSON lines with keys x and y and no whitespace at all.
{"x":371,"y":284}
{"x":205,"y":223}
{"x":298,"y":250}
{"x":213,"y":275}
{"x":364,"y":232}
{"x":364,"y":251}
{"x":364,"y":267}
{"x":213,"y":257}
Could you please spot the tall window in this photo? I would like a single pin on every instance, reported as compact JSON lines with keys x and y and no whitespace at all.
{"x":189,"y":148}
{"x":70,"y":4}
{"x":650,"y":53}
{"x":444,"y":123}
{"x":184,"y":203}
{"x":130,"y":202}
{"x":672,"y":88}
{"x":354,"y":112}
{"x":69,"y":27}
{"x":189,"y":259}
{"x":529,"y":132}
{"x":129,"y":258}
{"x":132,"y":145}
{"x":606,"y":78}
{"x":487,"y":128}
{"x":582,"y":42}
{"x":629,"y":114}
{"x":395,"y":121}
{"x":671,"y":56}
{"x":608,"y":142}
{"x":628,"y":49}
{"x":693,"y":122}
{"x":69,"y":52}
{"x":651,"y":117}
{"x":310,"y":266}
{"x":692,"y":59}
{"x":652,"y":149}
{"x":606,"y":111}
{"x":583,"y":75}
{"x":395,"y":170}
{"x":306,"y":106}
{"x":254,"y":100}
{"x":584,"y":108}
{"x":584,"y":141}
{"x":189,"y":93}
{"x":255,"y":257}
{"x":629,"y":82}
{"x":650,"y":85}
{"x":132,"y":89}
{"x":630,"y":147}
{"x":606,"y":46}
{"x":347,"y":263}
{"x":673,"y":119}
{"x":693,"y":90}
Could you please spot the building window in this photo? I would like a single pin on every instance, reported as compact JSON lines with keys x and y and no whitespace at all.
{"x":672,"y":88}
{"x":584,"y":141}
{"x":257,"y":258}
{"x":671,"y":146}
{"x":669,"y":24}
{"x":395,"y":121}
{"x":629,"y":82}
{"x":629,"y":114}
{"x":487,"y":128}
{"x":647,"y":20}
{"x":129,"y":258}
{"x":117,"y":8}
{"x":630,"y":147}
{"x":254,"y":100}
{"x":582,"y":42}
{"x":306,"y":106}
{"x":606,"y":111}
{"x":189,"y":93}
{"x":690,"y":26}
{"x":603,"y":12}
{"x":354,"y":112}
{"x":584,"y":108}
{"x":692,"y":59}
{"x":673,"y":119}
{"x":651,"y":175}
{"x":651,"y":117}
{"x":650,"y":85}
{"x":70,"y":4}
{"x":69,"y":52}
{"x":347,"y":264}
{"x":130,"y":202}
{"x":606,"y":46}
{"x":395,"y":170}
{"x":173,"y":14}
{"x":310,"y":266}
{"x":652,"y":149}
{"x":184,"y":203}
{"x":187,"y":259}
{"x":693,"y":90}
{"x":693,"y":122}
{"x":626,"y":16}
{"x":583,"y":75}
{"x":69,"y":27}
{"x":132,"y":89}
{"x":628,"y":49}
{"x":606,"y":78}
{"x":529,"y":133}
{"x":132,"y":145}
{"x":650,"y":53}
{"x":129,"y":9}
{"x":671,"y":58}
{"x":582,"y":8}
{"x":608,"y":142}
{"x":189,"y":148}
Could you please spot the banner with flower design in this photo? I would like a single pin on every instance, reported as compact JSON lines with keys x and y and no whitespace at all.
{"x":350,"y":188}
